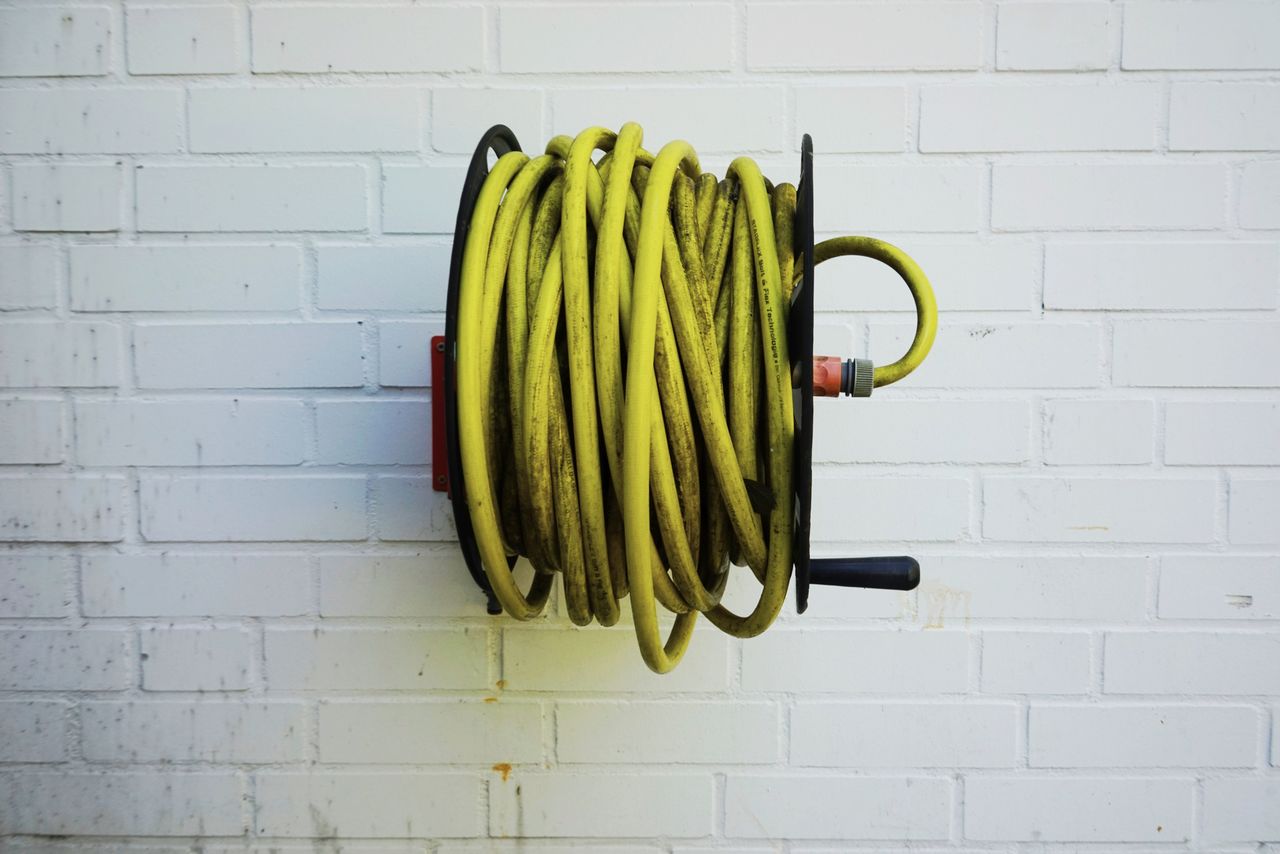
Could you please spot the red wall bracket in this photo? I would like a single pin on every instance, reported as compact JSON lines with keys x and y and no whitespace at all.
{"x":439,"y":448}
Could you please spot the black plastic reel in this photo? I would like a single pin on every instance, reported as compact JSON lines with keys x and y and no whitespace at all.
{"x":500,"y":140}
{"x":886,"y":573}
{"x":893,"y":573}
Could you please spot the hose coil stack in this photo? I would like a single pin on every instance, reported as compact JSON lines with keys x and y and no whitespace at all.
{"x":624,"y":388}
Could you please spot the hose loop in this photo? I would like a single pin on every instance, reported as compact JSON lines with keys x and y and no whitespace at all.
{"x":917,"y":283}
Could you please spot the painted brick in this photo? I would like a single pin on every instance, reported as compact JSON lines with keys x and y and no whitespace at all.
{"x":66,"y":197}
{"x":33,"y":731}
{"x":853,"y":118}
{"x":420,"y":199}
{"x":376,"y":659}
{"x":62,"y":508}
{"x":1241,"y":809}
{"x":793,"y":807}
{"x":1015,"y":662}
{"x":1197,"y":34}
{"x":852,"y":662}
{"x":1226,"y":353}
{"x":1222,"y":433}
{"x":990,"y":355}
{"x":1033,"y":588}
{"x":602,"y":805}
{"x":874,"y":36}
{"x":898,"y":735}
{"x":90,"y":121}
{"x":120,"y":432}
{"x":150,"y":803}
{"x":1219,"y":587}
{"x":1097,"y":197}
{"x":64,"y":660}
{"x":391,"y":278}
{"x":1230,"y":116}
{"x":905,"y":431}
{"x":998,"y":276}
{"x":1160,"y":276}
{"x":249,"y":355}
{"x":31,"y":431}
{"x":1077,"y":810}
{"x":430,"y":733}
{"x":460,"y":116}
{"x":1142,"y":736}
{"x":182,"y":40}
{"x":1053,"y":36}
{"x":252,"y":198}
{"x":276,"y":847}
{"x":545,"y":38}
{"x":834,"y":336}
{"x":34,"y":585}
{"x":240,"y":277}
{"x":1191,"y":663}
{"x":606,"y":660}
{"x":29,"y":274}
{"x":1098,"y":432}
{"x":195,"y":585}
{"x":897,"y":508}
{"x":711,"y":118}
{"x":899,"y":198}
{"x":195,"y":659}
{"x":404,"y":351}
{"x":1260,"y":195}
{"x":387,"y":432}
{"x":74,"y":41}
{"x":1252,"y":516}
{"x":519,"y":846}
{"x":366,"y":804}
{"x":52,"y":354}
{"x":361,"y":38}
{"x":425,"y":584}
{"x":305,"y":119}
{"x":668,"y":733}
{"x":192,"y":732}
{"x":1103,"y":509}
{"x":409,"y":509}
{"x":238,"y":508}
{"x":1039,"y":118}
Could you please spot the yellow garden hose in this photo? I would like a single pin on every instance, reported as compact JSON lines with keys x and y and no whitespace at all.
{"x":624,"y":390}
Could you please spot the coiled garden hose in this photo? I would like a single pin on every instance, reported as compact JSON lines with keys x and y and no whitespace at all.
{"x":624,"y":385}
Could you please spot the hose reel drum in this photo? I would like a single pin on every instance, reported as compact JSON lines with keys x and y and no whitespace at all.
{"x":489,"y":253}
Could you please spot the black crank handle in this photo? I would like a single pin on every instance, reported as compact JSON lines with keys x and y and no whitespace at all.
{"x":883,"y":573}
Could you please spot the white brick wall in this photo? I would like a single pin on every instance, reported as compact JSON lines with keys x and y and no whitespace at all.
{"x":66,"y":197}
{"x":232,"y":618}
{"x":1084,"y":809}
{"x":1069,"y":36}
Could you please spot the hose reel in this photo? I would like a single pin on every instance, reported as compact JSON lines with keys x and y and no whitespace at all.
{"x":620,"y":333}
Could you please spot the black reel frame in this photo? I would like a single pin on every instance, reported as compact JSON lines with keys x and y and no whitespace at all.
{"x":891,"y":573}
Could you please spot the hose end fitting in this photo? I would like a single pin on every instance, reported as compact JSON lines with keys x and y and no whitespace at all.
{"x":833,"y":376}
{"x":858,"y":377}
{"x":827,"y":376}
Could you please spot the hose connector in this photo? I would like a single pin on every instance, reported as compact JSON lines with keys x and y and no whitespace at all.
{"x":833,"y":376}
